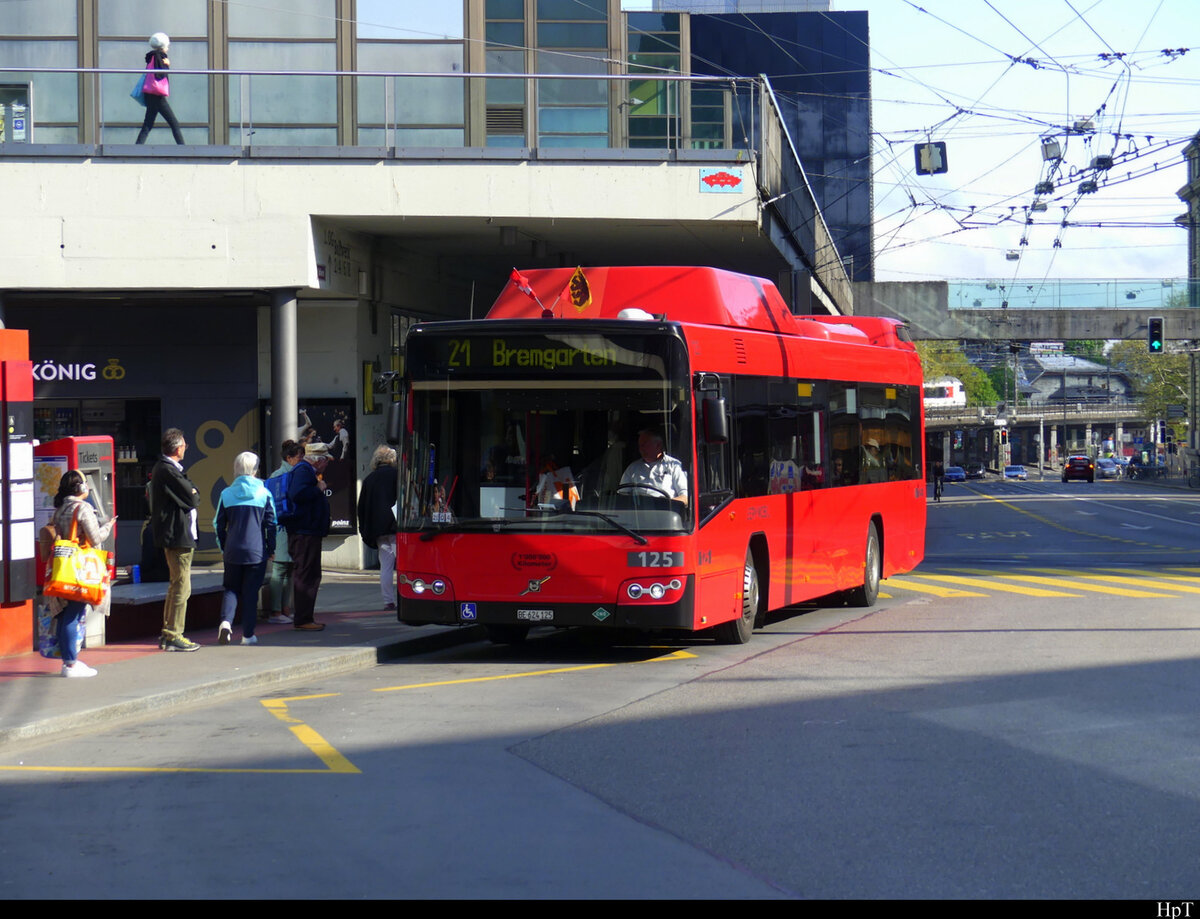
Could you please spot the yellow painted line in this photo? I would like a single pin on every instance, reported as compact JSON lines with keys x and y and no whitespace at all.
{"x":995,"y":585}
{"x":930,"y":588}
{"x":320,"y":747}
{"x":674,"y":655}
{"x":1072,"y":585}
{"x":335,"y":762}
{"x":491,"y":679}
{"x":286,"y":699}
{"x":1160,"y":575}
{"x":163,"y":770}
{"x":1139,"y":581}
{"x":324,"y":751}
{"x":1059,"y":526}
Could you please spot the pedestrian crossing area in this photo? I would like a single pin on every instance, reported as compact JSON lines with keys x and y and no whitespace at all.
{"x":1168,"y":582}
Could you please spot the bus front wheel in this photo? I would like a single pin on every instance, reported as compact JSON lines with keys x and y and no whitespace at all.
{"x":738,"y":631}
{"x":872,"y":572}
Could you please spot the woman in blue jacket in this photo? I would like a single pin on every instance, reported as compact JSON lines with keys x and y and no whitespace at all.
{"x":245,"y":525}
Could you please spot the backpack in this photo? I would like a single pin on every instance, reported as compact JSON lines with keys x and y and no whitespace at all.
{"x":285,"y":508}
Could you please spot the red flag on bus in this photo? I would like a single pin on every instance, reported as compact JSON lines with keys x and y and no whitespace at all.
{"x":578,"y":291}
{"x":523,"y":285}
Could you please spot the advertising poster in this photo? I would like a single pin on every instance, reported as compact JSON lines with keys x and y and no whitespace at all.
{"x":326,"y":428}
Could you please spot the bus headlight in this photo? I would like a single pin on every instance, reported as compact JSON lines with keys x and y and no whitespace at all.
{"x":424,"y":585}
{"x":648,"y":590}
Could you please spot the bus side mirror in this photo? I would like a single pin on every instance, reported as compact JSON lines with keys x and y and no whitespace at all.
{"x":716,"y":423}
{"x":395,"y":421}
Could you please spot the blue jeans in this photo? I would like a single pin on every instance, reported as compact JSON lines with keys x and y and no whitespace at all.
{"x":242,"y":584}
{"x":70,"y":621}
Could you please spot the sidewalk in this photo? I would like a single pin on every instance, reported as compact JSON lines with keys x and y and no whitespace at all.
{"x":137,"y":679}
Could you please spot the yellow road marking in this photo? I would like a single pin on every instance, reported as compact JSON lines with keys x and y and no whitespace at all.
{"x":323,"y":749}
{"x":904,"y":584}
{"x":1162,"y":582}
{"x":993,"y":585}
{"x":674,"y":655}
{"x":489,"y":679}
{"x":1072,"y":585}
{"x":1059,"y":526}
{"x":335,"y":762}
{"x":164,"y":769}
{"x":1162,"y":576}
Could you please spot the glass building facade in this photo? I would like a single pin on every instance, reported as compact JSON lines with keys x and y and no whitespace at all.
{"x":396,"y":74}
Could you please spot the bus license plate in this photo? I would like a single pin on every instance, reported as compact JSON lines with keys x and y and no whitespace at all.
{"x":535,"y":615}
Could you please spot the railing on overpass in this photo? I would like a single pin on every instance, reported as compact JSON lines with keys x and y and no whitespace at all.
{"x":403,"y":110}
{"x":1073,"y":294}
{"x":1127,"y":408}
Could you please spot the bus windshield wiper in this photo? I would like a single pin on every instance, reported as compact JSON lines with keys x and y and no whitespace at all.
{"x":632,"y":534}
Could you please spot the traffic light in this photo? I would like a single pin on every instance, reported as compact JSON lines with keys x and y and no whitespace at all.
{"x":1154,"y":335}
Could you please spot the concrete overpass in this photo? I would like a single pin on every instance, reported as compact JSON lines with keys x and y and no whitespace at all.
{"x":927,"y":308}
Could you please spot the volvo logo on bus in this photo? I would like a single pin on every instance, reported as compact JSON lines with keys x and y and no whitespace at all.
{"x":534,"y":586}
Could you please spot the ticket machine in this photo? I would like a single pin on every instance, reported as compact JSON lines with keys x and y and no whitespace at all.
{"x":94,"y":457}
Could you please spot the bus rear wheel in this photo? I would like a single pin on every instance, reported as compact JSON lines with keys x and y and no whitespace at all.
{"x":738,"y":631}
{"x":872,"y":572}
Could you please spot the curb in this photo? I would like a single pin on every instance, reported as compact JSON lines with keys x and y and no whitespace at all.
{"x":337,"y":661}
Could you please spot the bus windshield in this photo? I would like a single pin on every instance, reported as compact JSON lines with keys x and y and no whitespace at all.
{"x":579,"y":430}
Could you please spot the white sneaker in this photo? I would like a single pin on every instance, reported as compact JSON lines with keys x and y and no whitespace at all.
{"x":252,"y":640}
{"x":225,"y":633}
{"x":280,"y":619}
{"x":77,"y":669}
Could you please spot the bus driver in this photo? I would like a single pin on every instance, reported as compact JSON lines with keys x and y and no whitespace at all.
{"x":656,"y":468}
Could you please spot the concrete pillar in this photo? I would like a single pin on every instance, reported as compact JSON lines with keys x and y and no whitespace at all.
{"x":945,"y":449}
{"x":1118,"y":433}
{"x":1087,"y":439}
{"x":284,"y":364}
{"x":1052,"y":457}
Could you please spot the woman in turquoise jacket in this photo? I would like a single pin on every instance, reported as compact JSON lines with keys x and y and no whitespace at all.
{"x":245,"y":525}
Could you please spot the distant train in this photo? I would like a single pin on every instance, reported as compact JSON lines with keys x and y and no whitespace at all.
{"x":944,"y":392}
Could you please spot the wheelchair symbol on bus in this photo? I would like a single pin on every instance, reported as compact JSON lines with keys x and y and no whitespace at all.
{"x":466,"y":611}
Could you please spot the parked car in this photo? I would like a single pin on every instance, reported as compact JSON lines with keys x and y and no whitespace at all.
{"x":954,"y":474}
{"x":976,"y":470}
{"x":1079,"y":467}
{"x":1107,"y":468}
{"x":1016,"y":472}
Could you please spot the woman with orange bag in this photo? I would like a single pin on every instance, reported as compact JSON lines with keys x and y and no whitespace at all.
{"x":72,"y":507}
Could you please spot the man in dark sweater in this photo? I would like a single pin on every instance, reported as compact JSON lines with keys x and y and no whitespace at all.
{"x":306,"y":527}
{"x":173,"y":503}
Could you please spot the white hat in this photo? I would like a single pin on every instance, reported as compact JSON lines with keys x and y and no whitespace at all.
{"x":159,"y":41}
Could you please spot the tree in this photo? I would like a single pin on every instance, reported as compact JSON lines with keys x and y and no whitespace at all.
{"x":1159,"y":379}
{"x":947,"y":359}
{"x":1091,"y":349}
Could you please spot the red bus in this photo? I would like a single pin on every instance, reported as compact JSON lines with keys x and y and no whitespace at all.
{"x":653,"y":448}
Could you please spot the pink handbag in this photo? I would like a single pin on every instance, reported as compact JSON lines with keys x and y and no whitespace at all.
{"x":155,"y":85}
